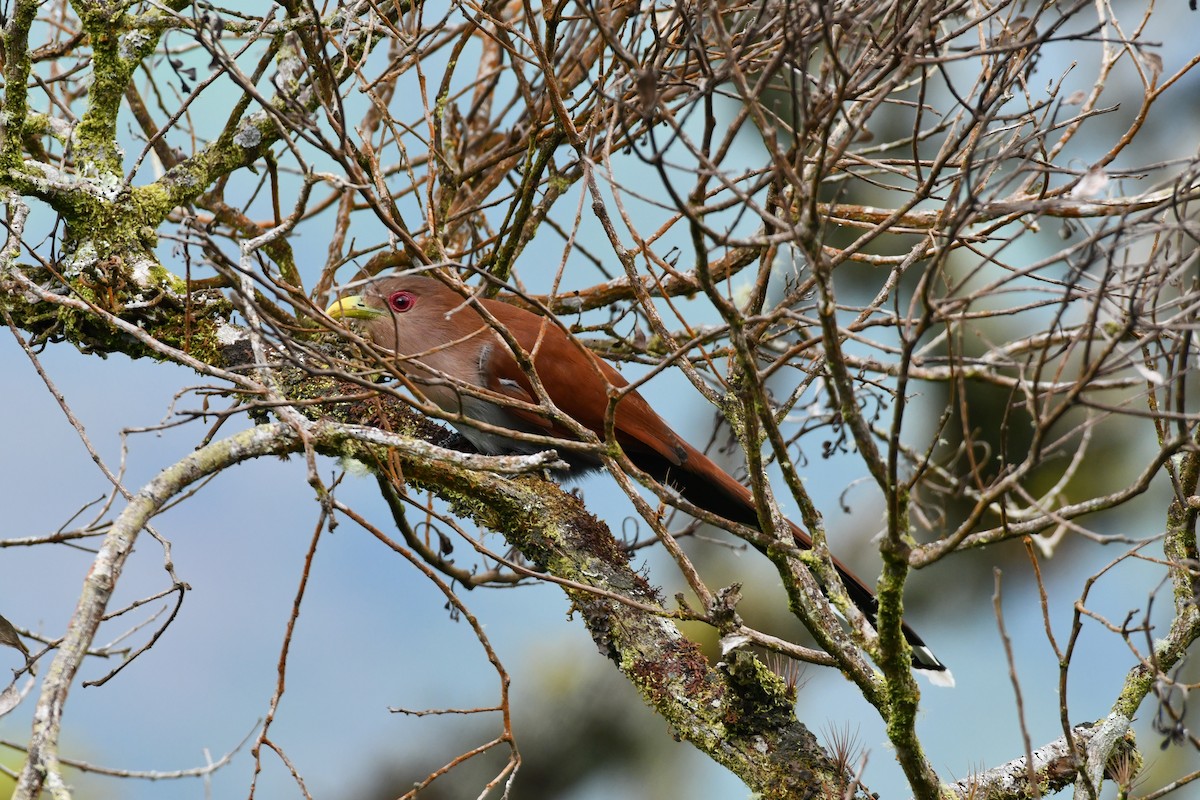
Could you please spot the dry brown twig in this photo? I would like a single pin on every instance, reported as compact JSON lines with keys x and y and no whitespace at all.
{"x":919,"y":242}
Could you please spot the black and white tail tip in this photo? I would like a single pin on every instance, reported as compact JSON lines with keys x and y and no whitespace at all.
{"x":927,"y":664}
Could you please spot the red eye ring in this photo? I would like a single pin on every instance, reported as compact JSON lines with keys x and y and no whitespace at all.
{"x":401,"y":301}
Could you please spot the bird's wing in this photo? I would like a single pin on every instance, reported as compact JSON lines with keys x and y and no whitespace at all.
{"x":577,"y":382}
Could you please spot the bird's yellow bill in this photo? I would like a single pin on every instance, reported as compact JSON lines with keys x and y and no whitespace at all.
{"x":353,"y":307}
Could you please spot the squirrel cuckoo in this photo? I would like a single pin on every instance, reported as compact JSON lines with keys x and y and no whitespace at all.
{"x":444,"y":344}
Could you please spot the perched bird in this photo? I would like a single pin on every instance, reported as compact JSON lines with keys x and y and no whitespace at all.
{"x":457,"y":360}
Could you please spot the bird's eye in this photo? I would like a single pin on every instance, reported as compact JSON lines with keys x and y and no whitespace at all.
{"x":401,"y":301}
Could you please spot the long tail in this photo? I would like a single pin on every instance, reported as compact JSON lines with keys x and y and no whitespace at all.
{"x":706,"y":485}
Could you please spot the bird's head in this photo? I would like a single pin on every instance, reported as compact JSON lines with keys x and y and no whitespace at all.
{"x":409,"y":314}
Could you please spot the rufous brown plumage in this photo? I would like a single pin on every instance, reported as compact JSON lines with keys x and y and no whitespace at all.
{"x":454,"y":357}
